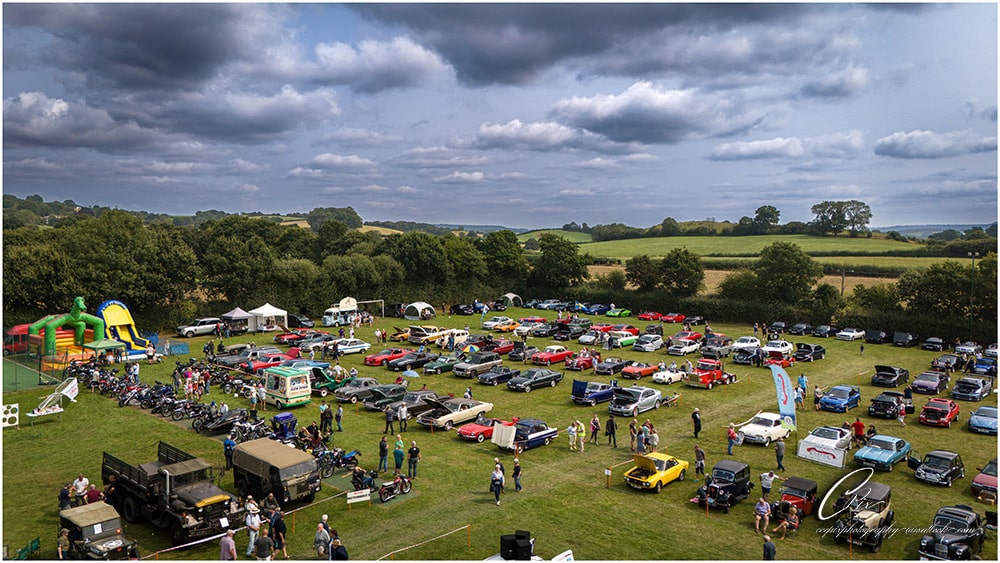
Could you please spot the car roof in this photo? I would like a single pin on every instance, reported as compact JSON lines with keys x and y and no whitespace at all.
{"x":874,"y":491}
{"x":943,"y":454}
{"x":801,"y":483}
{"x":731,"y":465}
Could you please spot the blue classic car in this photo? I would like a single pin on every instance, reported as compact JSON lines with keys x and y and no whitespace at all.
{"x":972,"y":389}
{"x":841,"y":398}
{"x":498,"y":375}
{"x":984,"y":420}
{"x":525,"y":434}
{"x":882,"y":452}
{"x":597,"y":309}
{"x":592,"y":392}
{"x":985,"y":366}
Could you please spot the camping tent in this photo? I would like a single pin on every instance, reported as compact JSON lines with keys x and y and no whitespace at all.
{"x":512,"y":300}
{"x":418,"y":310}
{"x":265,"y":315}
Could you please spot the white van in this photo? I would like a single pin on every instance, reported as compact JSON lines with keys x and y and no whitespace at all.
{"x":336,"y":316}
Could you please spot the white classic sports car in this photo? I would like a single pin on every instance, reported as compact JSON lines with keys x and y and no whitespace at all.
{"x":746,"y":342}
{"x":669,"y":376}
{"x":829,"y":437}
{"x":764,"y":428}
{"x":850,"y":334}
{"x":783,"y":346}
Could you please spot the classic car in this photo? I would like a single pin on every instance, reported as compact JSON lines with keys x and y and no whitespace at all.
{"x":498,"y":375}
{"x":934,"y":344}
{"x":716,"y":345}
{"x":625,"y":327}
{"x":525,"y":434}
{"x":495,"y":321}
{"x":569,"y":331}
{"x":882,"y":452}
{"x":592,"y":392}
{"x":686,"y":336}
{"x":611,"y":366}
{"x":245,"y":353}
{"x":621,"y":338}
{"x":800,"y":329}
{"x":694,"y":320}
{"x":507,"y":326}
{"x":654,"y":471}
{"x":581,"y":362}
{"x":356,"y":390}
{"x":777,"y":327}
{"x":809,"y":352}
{"x":638,"y":370}
{"x":449,"y":412}
{"x":683,"y":347}
{"x":649,"y":316}
{"x":325,"y":381}
{"x":825,"y":331}
{"x":890,"y":376}
{"x":986,"y":481}
{"x":532,"y":319}
{"x":746,"y":342}
{"x":763,"y":428}
{"x":315,"y":342}
{"x":984,"y":420}
{"x":521,"y":352}
{"x":944,"y":361}
{"x":426,"y":334}
{"x":777,"y":358}
{"x":476,"y":363}
{"x":415,"y":403}
{"x":630,"y":401}
{"x":904,"y":339}
{"x":602,"y":327}
{"x":991,"y":351}
{"x":545,"y":330}
{"x":653,"y":328}
{"x":552,"y":355}
{"x":887,"y":404}
{"x":400,"y":334}
{"x":783,"y":346}
{"x":498,"y":345}
{"x":444,"y":363}
{"x":826,"y":438}
{"x":349,"y":345}
{"x":669,"y":376}
{"x":672,"y":318}
{"x":841,"y":398}
{"x":795,"y":492}
{"x":648,"y":343}
{"x":535,"y":377}
{"x":381,"y":396}
{"x":482,"y":429}
{"x":453,"y":338}
{"x":866,"y":514}
{"x":618,"y":312}
{"x":462,"y":309}
{"x":597,"y":309}
{"x":303,"y":363}
{"x":985,"y":366}
{"x":939,"y":467}
{"x":930,"y":382}
{"x":745,"y":357}
{"x":728,"y":484}
{"x":939,"y":412}
{"x":412,"y":360}
{"x":876,"y":336}
{"x":265,"y":361}
{"x":968,"y":347}
{"x":851,"y":334}
{"x":957,"y":533}
{"x":291,"y":336}
{"x":385,"y":356}
{"x":590,"y":337}
{"x":972,"y":389}
{"x":526,"y":327}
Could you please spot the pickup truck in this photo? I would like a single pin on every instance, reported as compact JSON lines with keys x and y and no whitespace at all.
{"x":478,"y":363}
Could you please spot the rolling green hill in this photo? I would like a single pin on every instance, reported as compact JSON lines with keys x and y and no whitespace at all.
{"x":741,"y":246}
{"x":572,"y":236}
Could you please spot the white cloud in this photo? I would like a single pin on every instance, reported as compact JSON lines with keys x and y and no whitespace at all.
{"x":376,"y":65}
{"x":330,"y":161}
{"x":460,"y":178}
{"x":921,"y":144}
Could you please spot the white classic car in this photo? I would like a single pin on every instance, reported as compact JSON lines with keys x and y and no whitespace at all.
{"x":850,"y":334}
{"x":669,"y":376}
{"x":683,"y":348}
{"x":783,"y":346}
{"x":746,"y":342}
{"x":764,"y":428}
{"x":446,"y":414}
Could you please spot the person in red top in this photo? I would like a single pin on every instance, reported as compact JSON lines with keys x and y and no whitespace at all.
{"x":93,"y":495}
{"x":858,"y":429}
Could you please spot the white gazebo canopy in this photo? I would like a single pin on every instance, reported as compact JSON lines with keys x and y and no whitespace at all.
{"x":415,"y":311}
{"x":265,"y":313}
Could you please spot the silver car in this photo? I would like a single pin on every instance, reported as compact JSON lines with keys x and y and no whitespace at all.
{"x":630,"y":401}
{"x":648,"y":343}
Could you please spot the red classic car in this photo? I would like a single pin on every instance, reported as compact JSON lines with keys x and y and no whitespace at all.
{"x":638,"y":370}
{"x":603,"y":327}
{"x":552,"y":355}
{"x":686,"y":335}
{"x":523,"y":320}
{"x":499,"y":345}
{"x":672,"y":318}
{"x":482,"y":429}
{"x":776,"y":358}
{"x":939,"y":412}
{"x":649,"y":316}
{"x":582,"y":362}
{"x":626,"y":328}
{"x":293,"y":336}
{"x":266,"y":361}
{"x":385,"y":356}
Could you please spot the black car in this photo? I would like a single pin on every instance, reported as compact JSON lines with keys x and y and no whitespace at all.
{"x":534,"y":378}
{"x":958,"y":533}
{"x":805,"y":352}
{"x":904,"y":339}
{"x":875,"y":336}
{"x":888,"y":403}
{"x":777,"y":327}
{"x":655,"y":328}
{"x":890,"y":376}
{"x":934,"y":344}
{"x":296,"y":320}
{"x":412,"y":360}
{"x":939,"y":467}
{"x":728,"y":484}
{"x":611,"y":366}
{"x":944,"y":361}
{"x":825,"y":331}
{"x":569,"y":331}
{"x":462,"y":309}
{"x":498,"y":375}
{"x":930,"y":383}
{"x":694,"y":320}
{"x":745,"y":356}
{"x":800,"y":329}
{"x":546,"y":330}
{"x":521,"y":352}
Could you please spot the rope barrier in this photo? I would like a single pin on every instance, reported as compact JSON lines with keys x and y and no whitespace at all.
{"x":391,"y":554}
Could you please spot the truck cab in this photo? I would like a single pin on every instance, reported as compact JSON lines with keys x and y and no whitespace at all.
{"x":265,"y":466}
{"x":96,"y":533}
{"x":336,"y":316}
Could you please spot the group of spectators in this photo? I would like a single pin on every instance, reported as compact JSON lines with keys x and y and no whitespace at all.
{"x":81,"y":491}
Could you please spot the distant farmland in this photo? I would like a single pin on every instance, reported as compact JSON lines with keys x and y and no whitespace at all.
{"x":741,"y":246}
{"x":571,"y":236}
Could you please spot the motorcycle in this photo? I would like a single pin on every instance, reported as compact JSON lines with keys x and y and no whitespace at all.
{"x":331,"y":460}
{"x":131,"y":396}
{"x":400,"y":485}
{"x":186,"y":408}
{"x":211,"y":422}
{"x":245,"y":430}
{"x":362,"y":479}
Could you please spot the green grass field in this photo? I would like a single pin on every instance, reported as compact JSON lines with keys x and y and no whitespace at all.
{"x":852,"y":262}
{"x":571,"y":236}
{"x":723,"y":246}
{"x":565,"y":503}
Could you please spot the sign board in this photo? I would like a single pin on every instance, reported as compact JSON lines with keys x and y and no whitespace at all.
{"x":359,"y":496}
{"x":607,"y":472}
{"x":503,"y":436}
{"x":11,"y":414}
{"x":827,"y":456}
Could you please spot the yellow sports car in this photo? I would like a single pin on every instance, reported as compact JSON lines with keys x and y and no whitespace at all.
{"x":654,"y":471}
{"x":507,"y":326}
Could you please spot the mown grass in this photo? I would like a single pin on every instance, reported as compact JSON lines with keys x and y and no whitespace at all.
{"x":729,"y":246}
{"x":571,"y":236}
{"x":858,"y":263}
{"x":565,"y":504}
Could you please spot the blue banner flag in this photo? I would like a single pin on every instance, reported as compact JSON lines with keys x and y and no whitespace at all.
{"x":786,"y":395}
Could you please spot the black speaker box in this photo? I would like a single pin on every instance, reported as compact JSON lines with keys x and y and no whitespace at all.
{"x":508,"y":546}
{"x":523,"y":551}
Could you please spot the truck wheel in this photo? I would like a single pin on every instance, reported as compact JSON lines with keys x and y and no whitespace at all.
{"x":130,"y":510}
{"x":243,"y":487}
{"x":310,"y":497}
{"x":178,"y":535}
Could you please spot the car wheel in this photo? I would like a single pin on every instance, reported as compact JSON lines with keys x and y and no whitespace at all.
{"x":659,"y":486}
{"x":552,"y":383}
{"x":593,"y":402}
{"x":480,"y":438}
{"x":656,"y":404}
{"x":877,"y":545}
{"x":681,"y":476}
{"x":437,"y":371}
{"x":548,"y":441}
{"x":548,"y":362}
{"x":767,"y":441}
{"x":494,"y":382}
{"x":635,"y":411}
{"x":354,"y":399}
{"x":448,"y":425}
{"x":189,"y":334}
{"x":710,"y":385}
{"x":949,"y":424}
{"x":891,"y":465}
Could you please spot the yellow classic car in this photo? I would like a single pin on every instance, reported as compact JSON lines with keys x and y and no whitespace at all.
{"x":654,"y":471}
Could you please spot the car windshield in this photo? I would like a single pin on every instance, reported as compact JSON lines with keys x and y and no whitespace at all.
{"x":990,"y":469}
{"x":723,"y":475}
{"x":839,"y":393}
{"x":986,"y":412}
{"x":759,"y":420}
{"x":881,"y":444}
{"x":927,"y":377}
{"x":303,"y":468}
{"x":645,"y":338}
{"x":937,"y":462}
{"x":828,"y":433}
{"x":593,"y":386}
{"x":944,"y":523}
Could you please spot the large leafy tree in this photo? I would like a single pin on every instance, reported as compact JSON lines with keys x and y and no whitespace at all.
{"x":467,"y":264}
{"x":837,"y":216}
{"x":765,"y":217}
{"x":945,"y":289}
{"x":740,"y":285}
{"x":505,"y":261}
{"x":423,"y":258}
{"x":785,"y":273}
{"x":560,"y":264}
{"x":241,"y":269}
{"x":642,"y":272}
{"x":682,"y":273}
{"x":878,"y":297}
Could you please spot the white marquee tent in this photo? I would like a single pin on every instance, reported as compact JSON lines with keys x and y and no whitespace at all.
{"x":267,"y":314}
{"x":415,"y":311}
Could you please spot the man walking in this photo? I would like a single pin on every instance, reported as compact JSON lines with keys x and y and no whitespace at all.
{"x":779,"y":452}
{"x":227,"y":547}
{"x":263,"y":547}
{"x":770,"y":551}
{"x":611,"y":429}
{"x":696,"y":422}
{"x":278,"y":531}
{"x":339,"y":417}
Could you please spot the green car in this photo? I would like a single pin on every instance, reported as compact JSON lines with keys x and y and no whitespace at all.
{"x":616,"y":312}
{"x":324,"y":381}
{"x":444,"y":364}
{"x":622,"y":339}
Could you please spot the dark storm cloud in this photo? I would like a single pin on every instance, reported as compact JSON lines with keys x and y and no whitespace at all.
{"x":930,"y":144}
{"x":516,"y":43}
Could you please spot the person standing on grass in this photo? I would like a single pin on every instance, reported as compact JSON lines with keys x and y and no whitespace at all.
{"x":696,"y":422}
{"x":339,"y":417}
{"x":383,"y":455}
{"x":398,"y":454}
{"x":262,"y":397}
{"x":732,"y":437}
{"x":227,"y":547}
{"x":633,"y":432}
{"x":770,"y":550}
{"x":581,"y":435}
{"x":817,"y":395}
{"x":497,"y":482}
{"x":278,"y":531}
{"x":413,"y":456}
{"x":516,"y":473}
{"x":325,"y":418}
{"x":321,"y":541}
{"x":389,"y":416}
{"x":779,"y":452}
{"x":595,"y":427}
{"x":699,"y":460}
{"x":611,"y":429}
{"x":571,"y":433}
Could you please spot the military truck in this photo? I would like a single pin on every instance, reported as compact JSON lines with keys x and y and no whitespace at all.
{"x":265,"y":466}
{"x":96,"y":533}
{"x":175,"y":492}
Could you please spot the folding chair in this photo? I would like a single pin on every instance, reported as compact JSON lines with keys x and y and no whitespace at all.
{"x":34,"y":547}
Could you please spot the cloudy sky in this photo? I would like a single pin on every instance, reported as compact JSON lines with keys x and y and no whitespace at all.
{"x":525,"y":115}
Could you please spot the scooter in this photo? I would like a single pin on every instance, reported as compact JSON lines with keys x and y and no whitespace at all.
{"x":400,"y":485}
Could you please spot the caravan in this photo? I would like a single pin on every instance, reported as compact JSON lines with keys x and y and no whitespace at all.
{"x":342,"y":314}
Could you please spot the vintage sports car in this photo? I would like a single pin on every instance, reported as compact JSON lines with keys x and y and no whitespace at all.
{"x":534,"y":378}
{"x":444,"y":363}
{"x":552,"y":355}
{"x":672,"y":318}
{"x":655,"y":470}
{"x":385,"y":356}
{"x":349,"y":346}
{"x":649,"y":316}
{"x":356,"y":389}
{"x":581,"y":362}
{"x":984,"y":420}
{"x":446,"y":414}
{"x":828,"y":437}
{"x":482,"y":428}
{"x":783,"y":346}
{"x":882,"y":452}
{"x":525,"y":434}
{"x":522,"y":352}
{"x":669,"y":376}
{"x":638,"y":370}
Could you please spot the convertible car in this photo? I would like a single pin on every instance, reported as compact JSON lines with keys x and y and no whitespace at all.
{"x":639,"y":370}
